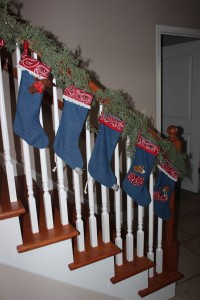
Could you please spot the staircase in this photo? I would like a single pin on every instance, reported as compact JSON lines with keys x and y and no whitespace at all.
{"x":100,"y":241}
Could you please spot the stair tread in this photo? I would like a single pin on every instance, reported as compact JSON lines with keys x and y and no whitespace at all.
{"x":8,"y":209}
{"x":45,"y":236}
{"x":11,"y":209}
{"x":128,"y":269}
{"x":160,"y":281}
{"x":63,"y":232}
{"x":93,"y":254}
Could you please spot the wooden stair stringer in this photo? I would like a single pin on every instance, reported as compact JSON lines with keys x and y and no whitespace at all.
{"x":45,"y":236}
{"x":8,"y":209}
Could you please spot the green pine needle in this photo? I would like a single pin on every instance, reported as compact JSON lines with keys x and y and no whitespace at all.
{"x":65,"y":67}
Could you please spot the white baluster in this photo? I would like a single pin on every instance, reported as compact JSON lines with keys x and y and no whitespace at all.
{"x":6,"y":143}
{"x":46,"y":194}
{"x":27,"y":166}
{"x":81,"y":190}
{"x":92,"y":218}
{"x":79,"y":221}
{"x":118,"y":239}
{"x":105,"y":215}
{"x":140,"y":232}
{"x":129,"y":235}
{"x":61,"y":191}
{"x":150,"y":253}
{"x":159,"y":250}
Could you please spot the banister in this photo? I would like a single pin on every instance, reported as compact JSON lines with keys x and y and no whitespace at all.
{"x":170,"y":244}
{"x":93,"y":86}
{"x":173,"y":131}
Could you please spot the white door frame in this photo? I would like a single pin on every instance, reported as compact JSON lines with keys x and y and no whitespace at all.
{"x":168,"y":30}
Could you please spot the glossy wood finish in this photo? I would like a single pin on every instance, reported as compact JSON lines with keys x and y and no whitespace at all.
{"x":160,"y":281}
{"x":8,"y":209}
{"x":45,"y":236}
{"x":93,"y":254}
{"x":132,"y":268}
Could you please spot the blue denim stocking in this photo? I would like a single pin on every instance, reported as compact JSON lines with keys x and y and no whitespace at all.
{"x":66,"y":144}
{"x":99,"y":164}
{"x":163,"y":189}
{"x":135,"y":181}
{"x":27,"y":124}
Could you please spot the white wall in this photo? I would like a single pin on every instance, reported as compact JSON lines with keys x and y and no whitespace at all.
{"x":117,"y":35}
{"x":20,"y":285}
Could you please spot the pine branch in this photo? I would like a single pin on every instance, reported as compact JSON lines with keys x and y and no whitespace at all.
{"x":65,"y":67}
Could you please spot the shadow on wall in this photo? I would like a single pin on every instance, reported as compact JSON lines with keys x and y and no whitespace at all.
{"x":18,"y":284}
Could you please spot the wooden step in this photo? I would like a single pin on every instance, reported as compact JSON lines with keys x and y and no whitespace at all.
{"x":128,"y":269}
{"x":160,"y":281}
{"x":45,"y":236}
{"x":93,"y":254}
{"x":8,"y":209}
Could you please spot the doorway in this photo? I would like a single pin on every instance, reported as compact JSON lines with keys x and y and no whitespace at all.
{"x":175,"y":61}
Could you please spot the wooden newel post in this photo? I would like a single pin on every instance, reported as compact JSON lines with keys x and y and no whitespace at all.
{"x":170,"y":244}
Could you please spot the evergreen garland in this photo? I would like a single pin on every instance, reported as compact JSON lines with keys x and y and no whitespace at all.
{"x":67,"y":70}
